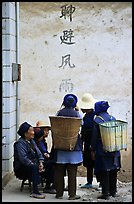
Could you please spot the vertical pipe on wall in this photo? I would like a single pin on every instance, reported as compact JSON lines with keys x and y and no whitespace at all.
{"x":17,"y":61}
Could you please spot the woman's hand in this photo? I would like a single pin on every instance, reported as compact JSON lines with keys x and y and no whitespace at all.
{"x":46,"y":155}
{"x":41,"y":167}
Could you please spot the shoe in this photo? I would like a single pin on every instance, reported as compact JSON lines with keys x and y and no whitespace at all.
{"x":106,"y":197}
{"x":98,"y":189}
{"x":37,"y":195}
{"x":74,"y":197}
{"x":51,"y":191}
{"x":58,"y":197}
{"x":87,"y":185}
{"x":113,"y":194}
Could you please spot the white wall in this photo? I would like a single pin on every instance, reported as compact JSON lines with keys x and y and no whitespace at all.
{"x":102,"y":55}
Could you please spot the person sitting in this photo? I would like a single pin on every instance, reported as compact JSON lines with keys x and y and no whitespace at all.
{"x":48,"y":165}
{"x":28,"y":159}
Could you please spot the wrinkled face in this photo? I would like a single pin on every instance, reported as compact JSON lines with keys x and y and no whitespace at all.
{"x":30,"y":133}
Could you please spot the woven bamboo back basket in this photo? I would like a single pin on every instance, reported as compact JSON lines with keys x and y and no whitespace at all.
{"x":64,"y":131}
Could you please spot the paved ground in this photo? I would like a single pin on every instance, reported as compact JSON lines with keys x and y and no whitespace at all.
{"x":11,"y":192}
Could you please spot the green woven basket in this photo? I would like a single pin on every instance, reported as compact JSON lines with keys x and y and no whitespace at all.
{"x":114,"y":135}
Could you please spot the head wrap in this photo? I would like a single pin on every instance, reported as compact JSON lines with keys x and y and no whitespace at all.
{"x":101,"y":106}
{"x":23,"y":129}
{"x":70,"y":100}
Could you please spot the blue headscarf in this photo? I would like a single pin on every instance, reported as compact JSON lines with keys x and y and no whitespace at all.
{"x":70,"y":100}
{"x":101,"y":106}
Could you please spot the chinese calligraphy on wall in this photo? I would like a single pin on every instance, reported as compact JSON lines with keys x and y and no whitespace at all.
{"x":67,"y":38}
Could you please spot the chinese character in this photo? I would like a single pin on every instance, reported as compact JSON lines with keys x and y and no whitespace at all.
{"x":66,"y":38}
{"x":67,"y":11}
{"x":65,"y":61}
{"x":66,"y":85}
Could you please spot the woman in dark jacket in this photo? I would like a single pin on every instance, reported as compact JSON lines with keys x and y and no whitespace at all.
{"x":106,"y":163}
{"x":86,"y":105}
{"x":68,"y":160}
{"x":28,"y":160}
{"x":48,"y":164}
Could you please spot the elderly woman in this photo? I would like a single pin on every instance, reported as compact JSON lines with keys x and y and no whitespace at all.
{"x":68,"y":160}
{"x":28,"y":159}
{"x":106,"y":163}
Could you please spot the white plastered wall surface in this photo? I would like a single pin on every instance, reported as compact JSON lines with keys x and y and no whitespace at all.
{"x":101,"y":55}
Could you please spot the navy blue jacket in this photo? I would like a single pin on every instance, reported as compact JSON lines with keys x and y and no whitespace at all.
{"x":104,"y":161}
{"x":86,"y":134}
{"x":26,"y":153}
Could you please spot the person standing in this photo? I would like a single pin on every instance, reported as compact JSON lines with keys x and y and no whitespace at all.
{"x":107,"y":164}
{"x":68,"y":160}
{"x":86,"y":104}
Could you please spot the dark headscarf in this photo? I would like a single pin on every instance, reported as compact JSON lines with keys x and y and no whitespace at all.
{"x":23,"y":129}
{"x":70,"y":100}
{"x":38,"y":132}
{"x":101,"y":106}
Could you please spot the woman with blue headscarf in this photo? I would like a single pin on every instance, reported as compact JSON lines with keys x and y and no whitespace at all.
{"x":106,"y":163}
{"x":68,"y":160}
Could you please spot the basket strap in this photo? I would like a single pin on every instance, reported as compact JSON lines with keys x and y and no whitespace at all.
{"x":100,"y":117}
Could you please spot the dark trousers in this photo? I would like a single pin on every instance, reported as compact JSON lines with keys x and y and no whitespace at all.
{"x":108,"y":182}
{"x":88,"y":163}
{"x":98,"y":177}
{"x":59,"y":173}
{"x":90,"y":174}
{"x":31,"y":173}
{"x":49,"y":175}
{"x":34,"y":175}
